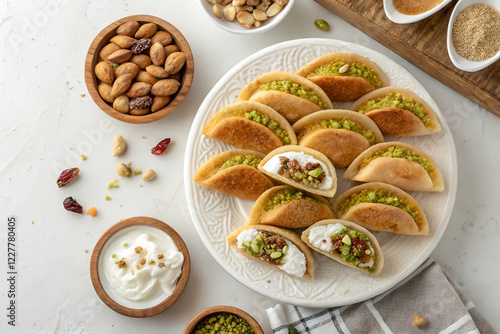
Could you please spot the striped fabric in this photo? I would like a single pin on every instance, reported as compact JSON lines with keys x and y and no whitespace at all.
{"x":428,"y":291}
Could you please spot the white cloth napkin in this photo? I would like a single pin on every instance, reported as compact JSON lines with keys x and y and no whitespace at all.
{"x":429,"y":292}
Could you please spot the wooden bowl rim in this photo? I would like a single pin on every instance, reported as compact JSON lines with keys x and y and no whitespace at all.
{"x":93,"y":54}
{"x":181,"y":282}
{"x":223,"y":309}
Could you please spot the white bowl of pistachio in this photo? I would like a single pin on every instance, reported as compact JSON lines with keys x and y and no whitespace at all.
{"x":246,"y":17}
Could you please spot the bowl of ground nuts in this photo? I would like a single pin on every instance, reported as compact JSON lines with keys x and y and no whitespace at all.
{"x":246,"y":17}
{"x":223,"y":319}
{"x":139,"y":69}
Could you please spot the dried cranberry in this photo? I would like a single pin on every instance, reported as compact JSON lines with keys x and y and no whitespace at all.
{"x":161,"y":147}
{"x":141,"y":46}
{"x":71,"y":205}
{"x":66,"y":176}
{"x":141,"y":102}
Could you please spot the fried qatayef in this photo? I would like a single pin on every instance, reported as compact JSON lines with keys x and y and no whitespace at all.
{"x":346,"y":243}
{"x":345,"y":76}
{"x":400,"y":164}
{"x":276,"y":248}
{"x":289,"y":94}
{"x":382,"y":207}
{"x":250,"y":125}
{"x":398,"y":111}
{"x":341,"y":135}
{"x":234,"y":173}
{"x":286,"y":206}
{"x":302,"y":168}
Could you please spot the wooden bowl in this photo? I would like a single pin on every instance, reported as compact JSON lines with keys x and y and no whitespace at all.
{"x":223,"y":309}
{"x":139,"y":312}
{"x":93,"y":58}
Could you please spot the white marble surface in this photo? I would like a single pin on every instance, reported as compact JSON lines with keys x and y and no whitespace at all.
{"x":46,"y":110}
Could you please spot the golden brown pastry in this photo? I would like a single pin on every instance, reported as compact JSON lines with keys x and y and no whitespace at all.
{"x":341,"y":135}
{"x":382,"y":207}
{"x":250,"y":125}
{"x":289,"y":207}
{"x":345,"y":76}
{"x":398,"y":111}
{"x":234,"y":173}
{"x":400,"y":164}
{"x":277,"y":248}
{"x":346,"y":243}
{"x":289,"y":94}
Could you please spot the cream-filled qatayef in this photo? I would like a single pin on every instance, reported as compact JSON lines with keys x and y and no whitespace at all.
{"x":341,"y":135}
{"x":250,"y":125}
{"x":234,"y":173}
{"x":346,"y":243}
{"x":302,"y":168}
{"x":400,"y":164}
{"x":289,"y":94}
{"x":398,"y":111}
{"x":276,"y":248}
{"x":345,"y":76}
{"x":289,"y":207}
{"x":382,"y":207}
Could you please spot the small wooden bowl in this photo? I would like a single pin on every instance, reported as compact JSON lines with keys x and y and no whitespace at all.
{"x":93,"y":58}
{"x":181,"y":282}
{"x":223,"y":309}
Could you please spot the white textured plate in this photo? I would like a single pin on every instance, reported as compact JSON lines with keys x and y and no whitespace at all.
{"x":215,"y":215}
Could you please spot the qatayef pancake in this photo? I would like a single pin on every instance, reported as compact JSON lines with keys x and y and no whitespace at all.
{"x":289,"y":94}
{"x":346,"y":243}
{"x":398,"y":112}
{"x":277,"y":248}
{"x":345,"y":76}
{"x":289,"y":207}
{"x":302,"y":168}
{"x":341,"y":135}
{"x":382,"y":207}
{"x":234,"y":173}
{"x":250,"y":125}
{"x":400,"y":164}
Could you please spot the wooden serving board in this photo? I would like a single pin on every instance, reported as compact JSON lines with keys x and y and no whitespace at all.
{"x":423,"y":44}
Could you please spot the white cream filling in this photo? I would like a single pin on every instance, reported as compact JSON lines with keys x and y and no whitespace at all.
{"x":274,"y":164}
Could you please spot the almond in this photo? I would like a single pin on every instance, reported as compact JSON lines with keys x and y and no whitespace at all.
{"x":138,"y":89}
{"x":123,"y":41}
{"x":120,"y":56}
{"x":144,"y":76}
{"x":142,"y":61}
{"x":157,"y":71}
{"x":175,"y":61}
{"x":165,"y":87}
{"x":104,"y":72}
{"x":120,"y":104}
{"x":176,"y":76}
{"x":162,"y":37}
{"x":127,"y":68}
{"x":128,"y":28}
{"x":159,"y":102}
{"x":121,"y":85}
{"x":157,"y":54}
{"x":147,"y":30}
{"x":107,"y":50}
{"x":169,"y":49}
{"x":140,"y":112}
{"x":104,"y":90}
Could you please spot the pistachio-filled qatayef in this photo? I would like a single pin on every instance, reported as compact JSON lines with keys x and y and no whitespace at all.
{"x":346,"y":243}
{"x":250,"y":125}
{"x":339,"y":134}
{"x":382,"y":207}
{"x":289,"y":207}
{"x":302,"y":168}
{"x":398,"y":111}
{"x":277,"y":248}
{"x":234,"y":173}
{"x":400,"y":164}
{"x":345,"y":76}
{"x":289,"y":94}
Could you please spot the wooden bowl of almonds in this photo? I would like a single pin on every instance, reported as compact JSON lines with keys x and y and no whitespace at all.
{"x":139,"y":69}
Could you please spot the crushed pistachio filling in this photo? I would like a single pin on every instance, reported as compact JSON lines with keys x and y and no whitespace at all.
{"x":269,"y":123}
{"x":400,"y":152}
{"x":344,"y":123}
{"x":247,"y":159}
{"x":268,"y":247}
{"x":354,"y":70}
{"x":354,"y":247}
{"x":285,"y":196}
{"x":293,"y":88}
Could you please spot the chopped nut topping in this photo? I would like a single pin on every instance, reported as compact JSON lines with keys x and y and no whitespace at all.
{"x":151,"y":262}
{"x":160,"y":256}
{"x":138,"y":249}
{"x":122,"y":264}
{"x":132,"y":272}
{"x":139,"y":267}
{"x":161,"y":265}
{"x":142,"y":262}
